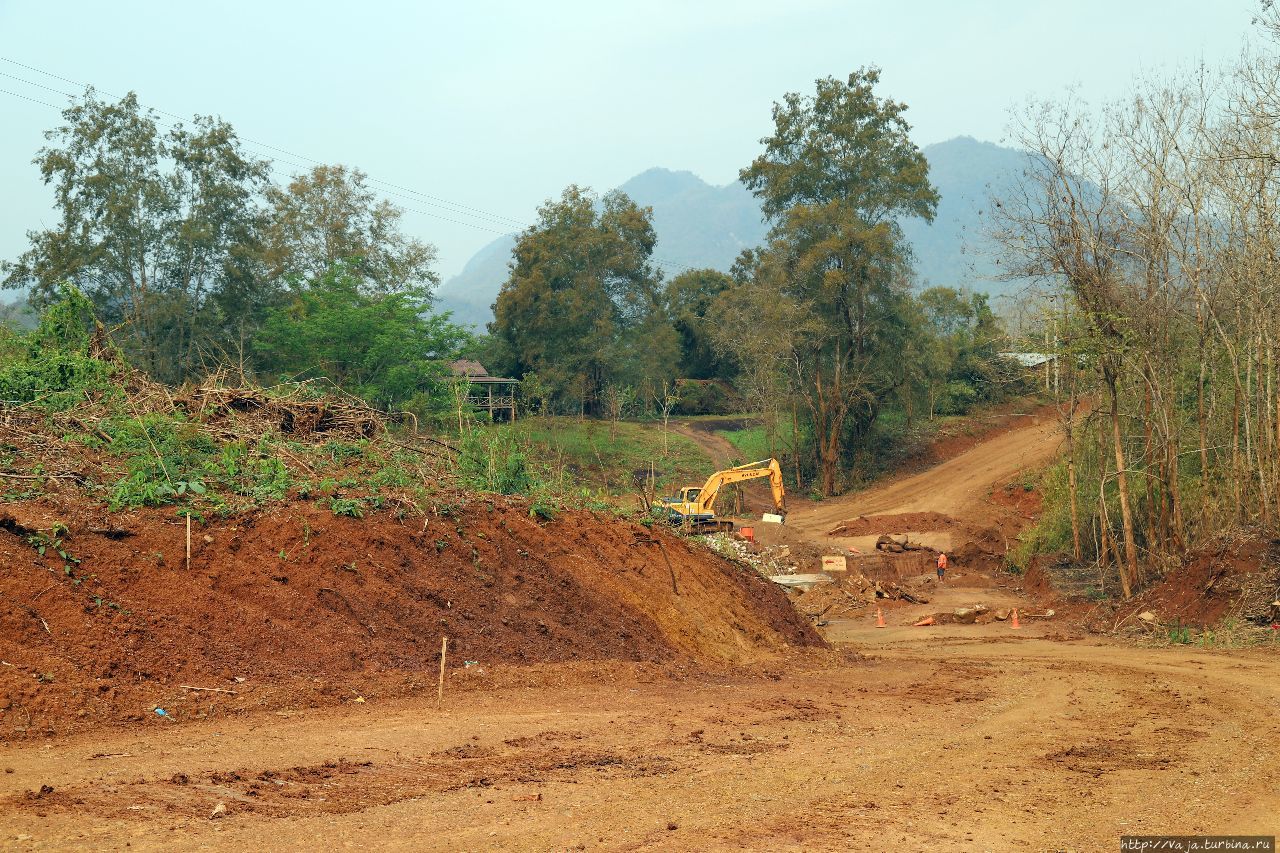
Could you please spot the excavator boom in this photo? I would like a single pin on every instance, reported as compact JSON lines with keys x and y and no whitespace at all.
{"x":696,"y":505}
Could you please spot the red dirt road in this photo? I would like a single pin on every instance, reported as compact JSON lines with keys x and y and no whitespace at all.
{"x":958,"y":487}
{"x":938,"y":743}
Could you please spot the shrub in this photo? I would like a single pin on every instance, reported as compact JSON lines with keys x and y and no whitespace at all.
{"x":491,"y":460}
{"x":167,"y":458}
{"x":351,"y":507}
{"x":51,"y":367}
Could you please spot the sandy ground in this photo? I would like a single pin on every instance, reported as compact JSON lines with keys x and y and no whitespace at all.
{"x":948,"y":738}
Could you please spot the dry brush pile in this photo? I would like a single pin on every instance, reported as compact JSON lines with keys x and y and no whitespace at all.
{"x":76,"y":420}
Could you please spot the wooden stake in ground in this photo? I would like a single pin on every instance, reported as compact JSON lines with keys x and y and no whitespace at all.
{"x":444,"y":645}
{"x":188,"y":541}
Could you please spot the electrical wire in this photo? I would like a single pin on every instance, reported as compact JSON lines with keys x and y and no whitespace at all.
{"x":298,"y":161}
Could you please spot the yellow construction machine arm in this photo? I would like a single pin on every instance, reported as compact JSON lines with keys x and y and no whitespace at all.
{"x":751,"y":471}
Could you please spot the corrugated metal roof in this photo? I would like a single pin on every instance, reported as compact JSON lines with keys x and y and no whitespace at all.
{"x":1029,"y":359}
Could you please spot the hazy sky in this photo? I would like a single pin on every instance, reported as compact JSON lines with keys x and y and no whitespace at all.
{"x":497,"y":106}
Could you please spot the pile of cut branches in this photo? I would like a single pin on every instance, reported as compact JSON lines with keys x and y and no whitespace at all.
{"x":296,"y":410}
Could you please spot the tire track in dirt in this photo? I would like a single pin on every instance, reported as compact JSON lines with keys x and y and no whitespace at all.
{"x":1008,"y":745}
{"x":705,"y":435}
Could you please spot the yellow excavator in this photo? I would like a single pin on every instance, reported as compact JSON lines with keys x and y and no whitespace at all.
{"x":695,"y":505}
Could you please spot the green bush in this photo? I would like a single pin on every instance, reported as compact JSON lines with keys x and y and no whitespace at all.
{"x":55,"y":381}
{"x":492,"y":461}
{"x":168,"y":458}
{"x":351,"y":507}
{"x":12,"y":345}
{"x":1052,"y":532}
{"x":51,"y":367}
{"x":958,"y":398}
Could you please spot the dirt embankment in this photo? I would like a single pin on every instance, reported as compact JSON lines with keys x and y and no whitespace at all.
{"x":1237,"y":576}
{"x":296,"y":606}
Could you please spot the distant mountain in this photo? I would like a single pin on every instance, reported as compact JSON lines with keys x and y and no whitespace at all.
{"x":700,"y":225}
{"x":470,"y":294}
{"x":955,"y":250}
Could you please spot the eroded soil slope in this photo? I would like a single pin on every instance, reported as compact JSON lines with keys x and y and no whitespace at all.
{"x":287,"y":606}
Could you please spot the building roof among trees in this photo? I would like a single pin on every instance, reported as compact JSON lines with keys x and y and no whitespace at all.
{"x":1029,"y":359}
{"x":474,"y":371}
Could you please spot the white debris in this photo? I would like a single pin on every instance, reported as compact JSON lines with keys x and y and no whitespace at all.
{"x":768,"y":560}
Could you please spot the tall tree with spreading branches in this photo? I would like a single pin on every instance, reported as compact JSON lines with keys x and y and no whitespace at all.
{"x":836,"y":178}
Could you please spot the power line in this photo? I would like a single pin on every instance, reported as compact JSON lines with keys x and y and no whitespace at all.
{"x":452,"y":207}
{"x":32,"y":100}
{"x":37,"y":85}
{"x":269,"y":147}
{"x":299,"y":159}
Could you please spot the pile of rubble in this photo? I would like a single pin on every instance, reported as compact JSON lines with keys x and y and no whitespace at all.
{"x":851,"y":596}
{"x":980,"y":614}
{"x":767,"y":560}
{"x":892,"y":546}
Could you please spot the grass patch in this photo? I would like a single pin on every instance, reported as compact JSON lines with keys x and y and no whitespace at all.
{"x":1229,"y":633}
{"x":601,"y":456}
{"x":752,"y":442}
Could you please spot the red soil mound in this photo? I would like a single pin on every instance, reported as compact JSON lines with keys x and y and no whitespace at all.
{"x":1015,"y":496}
{"x":302,"y":604}
{"x":1237,"y":576}
{"x":1038,"y":585}
{"x":916,"y":522}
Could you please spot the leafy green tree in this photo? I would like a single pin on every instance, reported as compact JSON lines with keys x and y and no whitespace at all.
{"x":384,"y":347}
{"x":766,"y":327}
{"x":835,"y":179}
{"x":583,"y":306}
{"x":948,"y":310}
{"x":961,"y":359}
{"x":947,"y":314}
{"x":689,"y":297}
{"x":330,"y":215}
{"x":158,"y":229}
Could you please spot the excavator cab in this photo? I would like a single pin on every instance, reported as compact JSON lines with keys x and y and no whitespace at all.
{"x":683,"y":506}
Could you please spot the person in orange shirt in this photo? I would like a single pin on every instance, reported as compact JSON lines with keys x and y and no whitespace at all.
{"x":942,"y":566}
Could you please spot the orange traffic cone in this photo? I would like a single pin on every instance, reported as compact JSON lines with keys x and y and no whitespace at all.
{"x":879,"y":618}
{"x":1015,"y":619}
